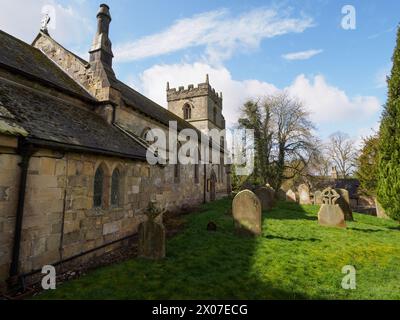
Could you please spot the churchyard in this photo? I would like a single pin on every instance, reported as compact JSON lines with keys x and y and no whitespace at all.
{"x":294,"y":257}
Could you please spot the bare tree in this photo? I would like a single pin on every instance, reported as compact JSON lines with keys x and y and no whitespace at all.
{"x":294,"y":143}
{"x":343,"y":153}
{"x":284,"y":143}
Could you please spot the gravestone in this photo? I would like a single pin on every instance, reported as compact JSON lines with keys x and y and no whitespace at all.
{"x":330,"y":214}
{"x":266,"y":196}
{"x":246,"y":210}
{"x":380,"y":212}
{"x":281,"y":195}
{"x":152,"y":235}
{"x":291,"y":196}
{"x":344,"y":204}
{"x":318,"y":197}
{"x":304,"y":194}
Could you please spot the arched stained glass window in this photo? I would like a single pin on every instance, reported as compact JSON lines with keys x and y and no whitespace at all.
{"x":98,"y":188}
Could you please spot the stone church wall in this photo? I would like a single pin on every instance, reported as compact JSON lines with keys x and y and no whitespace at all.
{"x":59,"y":218}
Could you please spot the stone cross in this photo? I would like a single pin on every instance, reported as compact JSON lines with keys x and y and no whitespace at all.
{"x":330,"y":214}
{"x":44,"y":23}
{"x":329,"y":196}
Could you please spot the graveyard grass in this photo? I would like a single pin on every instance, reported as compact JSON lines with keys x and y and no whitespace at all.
{"x":295,"y":258}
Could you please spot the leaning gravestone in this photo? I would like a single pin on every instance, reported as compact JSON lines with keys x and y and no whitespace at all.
{"x":380,"y":212}
{"x":344,"y":204}
{"x":318,"y":197}
{"x":304,"y":194}
{"x":152,"y":235}
{"x":330,"y":214}
{"x":246,"y":211}
{"x":291,"y":196}
{"x":266,"y":196}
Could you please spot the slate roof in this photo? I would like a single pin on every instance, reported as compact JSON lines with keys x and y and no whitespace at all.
{"x":51,"y":119}
{"x":48,"y":118}
{"x":18,"y":55}
{"x":144,"y":105}
{"x":136,"y":100}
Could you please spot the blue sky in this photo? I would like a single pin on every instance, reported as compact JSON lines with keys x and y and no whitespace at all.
{"x":243,"y":45}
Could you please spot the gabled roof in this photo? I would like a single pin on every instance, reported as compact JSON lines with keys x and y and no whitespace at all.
{"x":52,"y":119}
{"x":23,"y":58}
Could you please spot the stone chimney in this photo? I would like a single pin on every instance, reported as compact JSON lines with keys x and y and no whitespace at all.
{"x":101,"y":49}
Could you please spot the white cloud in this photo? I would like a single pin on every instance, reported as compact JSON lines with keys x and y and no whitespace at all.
{"x":327,"y":104}
{"x":22,"y":19}
{"x":218,"y":31}
{"x":302,"y":55}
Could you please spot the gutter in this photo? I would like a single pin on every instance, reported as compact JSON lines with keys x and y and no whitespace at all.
{"x":60,"y":146}
{"x":25,"y":150}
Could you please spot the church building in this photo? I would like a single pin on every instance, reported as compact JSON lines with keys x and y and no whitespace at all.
{"x":74,"y":177}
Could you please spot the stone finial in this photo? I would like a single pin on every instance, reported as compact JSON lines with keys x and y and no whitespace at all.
{"x":207,"y":79}
{"x":44,"y":24}
{"x":167,"y":85}
{"x":220,"y":94}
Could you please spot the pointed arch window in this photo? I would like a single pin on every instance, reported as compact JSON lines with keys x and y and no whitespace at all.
{"x":187,"y":112}
{"x":215,"y":114}
{"x":116,"y":188}
{"x":98,"y":188}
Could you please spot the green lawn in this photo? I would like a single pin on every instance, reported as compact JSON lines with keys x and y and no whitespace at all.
{"x":295,"y":258}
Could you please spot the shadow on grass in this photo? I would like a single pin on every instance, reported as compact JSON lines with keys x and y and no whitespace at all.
{"x":365,"y":230}
{"x":273,"y":237}
{"x":200,"y":265}
{"x":290,"y":211}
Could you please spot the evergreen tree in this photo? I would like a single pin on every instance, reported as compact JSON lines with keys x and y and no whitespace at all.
{"x":389,"y":143}
{"x":367,"y":166}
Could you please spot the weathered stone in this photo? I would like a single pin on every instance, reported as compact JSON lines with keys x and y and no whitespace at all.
{"x":4,"y":193}
{"x":318,"y":198}
{"x":111,"y":227}
{"x":266,"y":196}
{"x":330,"y":213}
{"x":380,"y":212}
{"x":291,"y":196}
{"x":246,"y":210}
{"x":344,"y":204}
{"x":152,"y":237}
{"x":304,"y":194}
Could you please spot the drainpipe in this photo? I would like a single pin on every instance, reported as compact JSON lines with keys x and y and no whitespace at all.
{"x":25,"y":150}
{"x":205,"y":184}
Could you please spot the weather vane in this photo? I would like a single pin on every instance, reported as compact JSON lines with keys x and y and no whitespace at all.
{"x":44,"y":23}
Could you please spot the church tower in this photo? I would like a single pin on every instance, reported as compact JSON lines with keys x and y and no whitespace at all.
{"x":201,"y":106}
